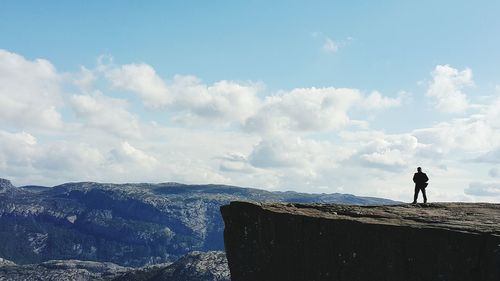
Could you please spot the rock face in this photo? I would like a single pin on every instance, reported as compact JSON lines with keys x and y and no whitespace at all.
{"x":5,"y":185}
{"x":195,"y":266}
{"x":130,"y":225}
{"x":452,"y":241}
{"x":61,"y":270}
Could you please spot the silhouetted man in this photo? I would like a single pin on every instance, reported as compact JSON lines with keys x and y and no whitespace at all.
{"x":420,"y":179}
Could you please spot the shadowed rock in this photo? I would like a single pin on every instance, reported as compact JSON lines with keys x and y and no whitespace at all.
{"x":452,"y":241}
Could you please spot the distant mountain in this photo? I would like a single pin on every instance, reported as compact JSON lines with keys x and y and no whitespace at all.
{"x":61,"y":270}
{"x":127,"y":224}
{"x":195,"y":266}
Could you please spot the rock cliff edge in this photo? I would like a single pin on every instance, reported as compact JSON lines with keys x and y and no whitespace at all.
{"x":441,"y":241}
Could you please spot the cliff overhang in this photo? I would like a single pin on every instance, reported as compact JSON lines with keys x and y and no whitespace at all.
{"x":441,"y":241}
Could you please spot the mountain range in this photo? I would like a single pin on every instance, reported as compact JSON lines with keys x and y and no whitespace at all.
{"x":130,"y":225}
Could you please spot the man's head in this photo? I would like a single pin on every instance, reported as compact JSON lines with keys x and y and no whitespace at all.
{"x":419,"y":169}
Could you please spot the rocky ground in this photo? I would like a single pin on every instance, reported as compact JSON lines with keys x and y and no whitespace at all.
{"x":61,"y":270}
{"x":210,"y":266}
{"x":196,"y":266}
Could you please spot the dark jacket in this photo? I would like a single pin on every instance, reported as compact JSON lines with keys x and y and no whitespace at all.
{"x":420,"y":180}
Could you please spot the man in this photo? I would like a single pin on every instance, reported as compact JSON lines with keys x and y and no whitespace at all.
{"x":420,"y":179}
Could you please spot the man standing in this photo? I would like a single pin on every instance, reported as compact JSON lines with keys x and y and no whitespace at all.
{"x":420,"y":179}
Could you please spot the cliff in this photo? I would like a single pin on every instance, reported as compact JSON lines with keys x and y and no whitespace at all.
{"x":451,"y":241}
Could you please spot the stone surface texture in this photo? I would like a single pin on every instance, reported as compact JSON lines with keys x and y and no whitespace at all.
{"x":195,"y":266}
{"x":439,"y":241}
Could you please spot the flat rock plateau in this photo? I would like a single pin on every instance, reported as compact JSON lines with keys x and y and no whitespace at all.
{"x":438,"y":241}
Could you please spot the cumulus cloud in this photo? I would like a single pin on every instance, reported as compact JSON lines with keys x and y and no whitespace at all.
{"x":474,"y":134}
{"x":286,"y":151}
{"x":24,"y":158}
{"x":106,"y":113}
{"x":85,"y":80}
{"x":16,"y":149}
{"x":386,"y":152}
{"x":126,"y":154}
{"x":189,"y":101}
{"x":447,"y":88}
{"x":142,"y":80}
{"x":225,"y":101}
{"x":305,"y":109}
{"x":303,"y":139}
{"x":375,"y":101}
{"x":192,"y":100}
{"x":314,"y":109}
{"x":491,"y":113}
{"x":29,"y":92}
{"x":298,"y":162}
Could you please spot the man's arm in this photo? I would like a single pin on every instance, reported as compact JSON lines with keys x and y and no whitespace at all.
{"x":415,"y":178}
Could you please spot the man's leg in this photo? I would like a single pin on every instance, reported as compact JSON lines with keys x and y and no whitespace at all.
{"x":415,"y":196}
{"x":425,"y":196}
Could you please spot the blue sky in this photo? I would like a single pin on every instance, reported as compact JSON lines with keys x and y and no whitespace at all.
{"x":238,"y":92}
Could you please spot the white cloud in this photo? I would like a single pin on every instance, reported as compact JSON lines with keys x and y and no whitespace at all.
{"x":330,"y":46}
{"x":85,"y":80}
{"x":446,"y":87}
{"x":16,"y":150}
{"x":385,"y":152}
{"x":225,"y":101}
{"x":187,"y":96}
{"x":472,"y":134}
{"x":303,"y":139}
{"x":286,"y":151}
{"x":375,"y":101}
{"x":126,"y":154}
{"x":314,"y":109}
{"x":29,"y":92}
{"x":106,"y":113}
{"x":476,"y":133}
{"x":492,"y":113}
{"x":299,"y":163}
{"x":142,"y":80}
{"x":76,"y":158}
{"x":306,"y":109}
